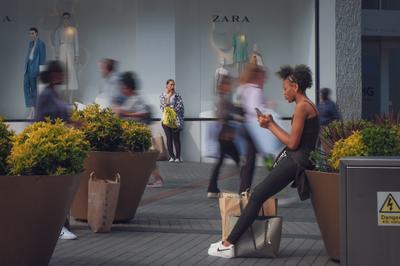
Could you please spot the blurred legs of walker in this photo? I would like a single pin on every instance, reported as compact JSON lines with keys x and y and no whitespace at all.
{"x":157,"y":181}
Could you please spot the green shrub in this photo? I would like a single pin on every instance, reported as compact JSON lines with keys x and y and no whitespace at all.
{"x":320,"y":161}
{"x":5,"y":146}
{"x":269,"y":162}
{"x":136,"y":136}
{"x":105,"y":131}
{"x":357,"y":138}
{"x":381,"y":140}
{"x":45,"y":148}
{"x":101,"y":127}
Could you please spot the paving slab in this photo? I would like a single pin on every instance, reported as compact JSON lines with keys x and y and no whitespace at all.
{"x":175,"y":224}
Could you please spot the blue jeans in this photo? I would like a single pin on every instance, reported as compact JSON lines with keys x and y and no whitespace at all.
{"x":30,"y":89}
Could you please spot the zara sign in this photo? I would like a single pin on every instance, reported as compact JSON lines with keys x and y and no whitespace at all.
{"x":230,"y":19}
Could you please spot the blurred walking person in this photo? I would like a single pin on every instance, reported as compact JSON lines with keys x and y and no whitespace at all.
{"x":110,"y":92}
{"x":50,"y":105}
{"x":251,"y":95}
{"x":134,"y":108}
{"x":227,"y":114}
{"x":327,"y":108}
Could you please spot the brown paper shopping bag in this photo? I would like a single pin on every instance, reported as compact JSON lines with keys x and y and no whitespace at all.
{"x":102,"y":203}
{"x":159,"y":145}
{"x":230,"y":204}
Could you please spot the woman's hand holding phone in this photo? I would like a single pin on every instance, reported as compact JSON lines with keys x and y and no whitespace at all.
{"x":258,"y":112}
{"x":263,"y":119}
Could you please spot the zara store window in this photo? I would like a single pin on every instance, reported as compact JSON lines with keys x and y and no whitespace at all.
{"x":186,"y":40}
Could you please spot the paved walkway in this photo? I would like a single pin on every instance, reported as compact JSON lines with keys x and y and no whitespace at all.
{"x":174,"y":225}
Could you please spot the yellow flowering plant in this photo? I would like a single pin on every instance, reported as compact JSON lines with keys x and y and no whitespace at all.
{"x":381,"y":138}
{"x":105,"y":131}
{"x":46,"y":148}
{"x":136,"y":136}
{"x":101,"y":127}
{"x":5,"y":145}
{"x":350,"y":146}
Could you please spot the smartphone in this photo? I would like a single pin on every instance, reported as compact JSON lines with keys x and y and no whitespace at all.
{"x":259,"y":113}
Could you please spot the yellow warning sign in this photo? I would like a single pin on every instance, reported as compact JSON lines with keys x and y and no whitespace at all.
{"x":390,"y":205}
{"x":388,"y":208}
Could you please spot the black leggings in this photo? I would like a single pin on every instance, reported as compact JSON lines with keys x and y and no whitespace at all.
{"x":226,"y":147}
{"x":278,"y":178}
{"x":172,"y":135}
{"x":247,"y":171}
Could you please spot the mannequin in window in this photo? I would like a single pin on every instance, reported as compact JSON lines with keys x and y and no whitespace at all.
{"x":256,"y":57}
{"x":221,"y":41}
{"x":36,"y":56}
{"x":67,"y":51}
{"x":219,"y":73}
{"x":240,"y":55}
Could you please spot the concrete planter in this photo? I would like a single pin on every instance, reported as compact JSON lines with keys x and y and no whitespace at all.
{"x":34,"y":209}
{"x":325,"y":198}
{"x":134,"y":168}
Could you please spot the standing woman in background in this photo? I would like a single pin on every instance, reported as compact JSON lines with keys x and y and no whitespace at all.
{"x":171,"y":99}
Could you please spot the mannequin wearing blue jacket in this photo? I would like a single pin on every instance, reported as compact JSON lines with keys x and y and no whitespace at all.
{"x":36,"y":56}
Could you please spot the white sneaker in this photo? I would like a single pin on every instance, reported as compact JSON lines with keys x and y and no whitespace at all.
{"x":219,"y":250}
{"x":213,"y":194}
{"x":171,"y":160}
{"x":66,"y":234}
{"x":157,"y":183}
{"x":178,"y":160}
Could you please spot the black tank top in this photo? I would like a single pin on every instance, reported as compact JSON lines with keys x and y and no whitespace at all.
{"x":301,"y":155}
{"x":310,"y":133}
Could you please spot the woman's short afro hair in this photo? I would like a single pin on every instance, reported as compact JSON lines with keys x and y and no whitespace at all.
{"x":300,"y":74}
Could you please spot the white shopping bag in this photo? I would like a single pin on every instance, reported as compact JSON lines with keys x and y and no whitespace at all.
{"x":266,"y":143}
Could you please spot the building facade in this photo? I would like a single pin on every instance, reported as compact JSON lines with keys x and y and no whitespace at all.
{"x":351,"y":45}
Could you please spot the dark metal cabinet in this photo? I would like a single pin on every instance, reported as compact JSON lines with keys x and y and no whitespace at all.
{"x":369,"y":187}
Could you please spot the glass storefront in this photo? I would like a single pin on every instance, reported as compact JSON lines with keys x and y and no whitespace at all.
{"x":381,"y":67}
{"x":380,"y":58}
{"x":187,"y":40}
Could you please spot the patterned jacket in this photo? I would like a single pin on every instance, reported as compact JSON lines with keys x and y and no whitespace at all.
{"x":176,"y":103}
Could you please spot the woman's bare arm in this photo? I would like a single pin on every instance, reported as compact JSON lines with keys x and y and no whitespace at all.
{"x":292,"y":139}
